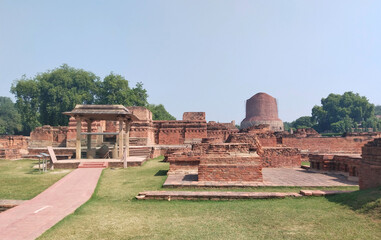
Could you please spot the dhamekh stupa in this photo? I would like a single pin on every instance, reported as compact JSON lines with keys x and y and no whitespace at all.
{"x":262,"y":109}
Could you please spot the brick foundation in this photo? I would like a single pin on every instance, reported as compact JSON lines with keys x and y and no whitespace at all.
{"x":233,"y":168}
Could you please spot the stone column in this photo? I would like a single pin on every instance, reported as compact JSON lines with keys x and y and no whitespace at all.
{"x":89,"y":152}
{"x":78,"y":139}
{"x":120,"y":140}
{"x":127,"y":143}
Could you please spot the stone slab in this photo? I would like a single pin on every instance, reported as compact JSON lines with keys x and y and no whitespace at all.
{"x":286,"y":177}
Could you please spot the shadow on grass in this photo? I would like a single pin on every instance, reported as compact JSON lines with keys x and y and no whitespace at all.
{"x":33,"y":170}
{"x":161,"y":173}
{"x":363,"y":201}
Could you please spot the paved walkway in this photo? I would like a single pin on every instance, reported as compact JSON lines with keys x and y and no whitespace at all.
{"x":32,"y":218}
{"x":271,"y":177}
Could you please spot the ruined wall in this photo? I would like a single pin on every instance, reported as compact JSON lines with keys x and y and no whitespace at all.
{"x":280,"y":157}
{"x":233,"y":168}
{"x":343,"y":164}
{"x":350,"y":144}
{"x":194,"y":116}
{"x":13,"y":146}
{"x":178,"y":132}
{"x":220,"y":131}
{"x":142,"y":132}
{"x":183,"y":163}
{"x":370,"y":167}
{"x":48,"y":136}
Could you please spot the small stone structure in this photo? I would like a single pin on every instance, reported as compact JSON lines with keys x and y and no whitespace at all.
{"x":262,"y":109}
{"x":91,"y":113}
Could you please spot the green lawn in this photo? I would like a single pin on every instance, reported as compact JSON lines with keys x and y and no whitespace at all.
{"x":113,"y":213}
{"x":18,"y":179}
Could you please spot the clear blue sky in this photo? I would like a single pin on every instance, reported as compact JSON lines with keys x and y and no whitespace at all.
{"x":203,"y":55}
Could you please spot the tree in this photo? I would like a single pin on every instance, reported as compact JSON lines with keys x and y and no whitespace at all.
{"x":27,"y":103}
{"x":10,"y":119}
{"x":159,"y":112}
{"x":42,"y":99}
{"x":61,"y":89}
{"x":341,"y":112}
{"x":114,"y":89}
{"x":303,"y":122}
{"x":287,"y":126}
{"x":377,"y":110}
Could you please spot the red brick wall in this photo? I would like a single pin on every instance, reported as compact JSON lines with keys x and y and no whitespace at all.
{"x":268,"y":142}
{"x":328,"y":144}
{"x":170,"y":136}
{"x":280,"y":157}
{"x":191,"y":116}
{"x":349,"y":164}
{"x":191,"y":133}
{"x":183,"y":163}
{"x":370,"y":168}
{"x":230,"y":168}
{"x":48,"y":136}
{"x":13,"y":146}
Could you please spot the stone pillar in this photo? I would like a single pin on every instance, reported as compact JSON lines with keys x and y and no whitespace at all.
{"x":127,"y":143}
{"x":120,"y":140}
{"x":78,"y":139}
{"x":89,"y":152}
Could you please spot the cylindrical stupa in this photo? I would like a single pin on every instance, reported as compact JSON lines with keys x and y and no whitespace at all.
{"x":262,"y":109}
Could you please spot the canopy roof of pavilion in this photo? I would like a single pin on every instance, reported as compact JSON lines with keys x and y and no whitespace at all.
{"x":102,"y":112}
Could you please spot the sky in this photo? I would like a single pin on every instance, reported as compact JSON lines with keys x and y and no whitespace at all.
{"x":202,"y":55}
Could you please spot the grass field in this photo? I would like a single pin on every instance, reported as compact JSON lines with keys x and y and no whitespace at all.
{"x":18,"y":180}
{"x":113,"y":213}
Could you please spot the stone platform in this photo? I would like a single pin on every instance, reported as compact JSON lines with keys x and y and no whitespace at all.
{"x":117,"y":163}
{"x":188,"y":195}
{"x":287,"y":177}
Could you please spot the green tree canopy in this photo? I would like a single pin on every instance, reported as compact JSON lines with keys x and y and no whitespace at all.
{"x":114,"y":89}
{"x":377,"y":110}
{"x":10,"y":119}
{"x":27,"y":95}
{"x":42,"y":99}
{"x":159,"y":112}
{"x":340,"y":113}
{"x":303,"y":122}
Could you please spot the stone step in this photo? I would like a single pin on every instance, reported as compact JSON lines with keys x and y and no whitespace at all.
{"x":93,"y":165}
{"x":321,"y":192}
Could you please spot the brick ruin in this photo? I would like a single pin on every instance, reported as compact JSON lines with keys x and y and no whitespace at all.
{"x":13,"y":147}
{"x":347,"y":165}
{"x":217,"y":151}
{"x":158,"y":136}
{"x":370,"y":166}
{"x":240,"y":158}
